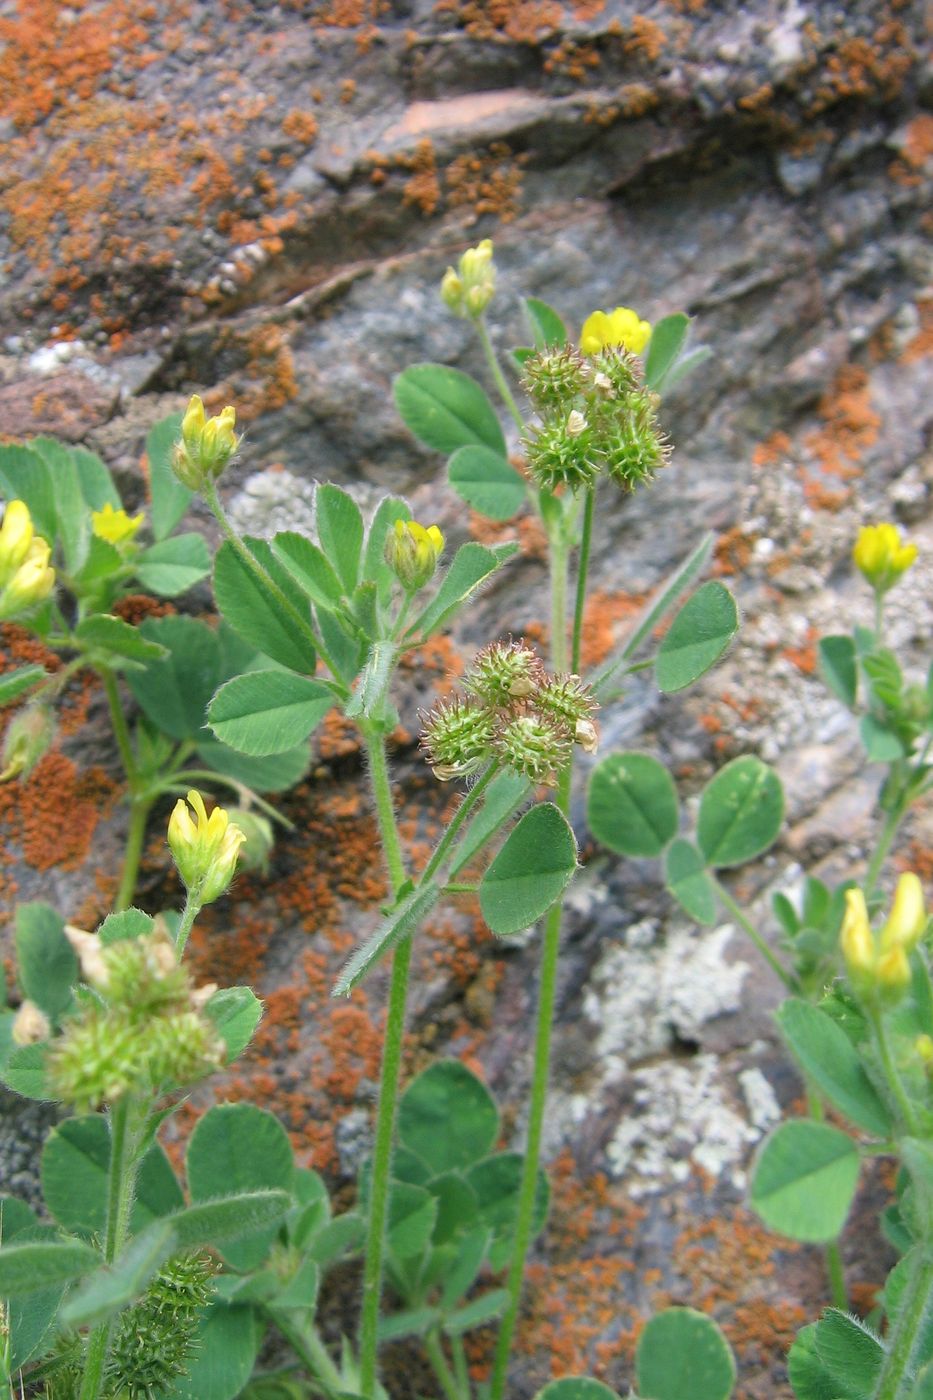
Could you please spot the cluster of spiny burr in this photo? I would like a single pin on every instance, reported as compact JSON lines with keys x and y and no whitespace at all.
{"x":596,"y":416}
{"x":514,"y":713}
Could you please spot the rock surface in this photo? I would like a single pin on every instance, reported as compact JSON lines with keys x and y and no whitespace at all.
{"x":256,"y":202}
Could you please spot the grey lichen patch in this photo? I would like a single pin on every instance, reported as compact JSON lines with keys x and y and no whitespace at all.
{"x":682,"y":1116}
{"x":642,"y":997}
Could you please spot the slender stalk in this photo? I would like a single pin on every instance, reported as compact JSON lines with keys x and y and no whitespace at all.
{"x":886,"y":837}
{"x":461,"y":1368}
{"x":190,"y":912}
{"x":439,"y":1366}
{"x":121,"y":1181}
{"x":891,"y":1073}
{"x":559,"y":556}
{"x":391,"y":1065}
{"x":547,"y":990}
{"x":120,"y":728}
{"x":135,"y":837}
{"x":835,"y":1272}
{"x":209,"y":491}
{"x":910,"y":1330}
{"x":303,"y":1337}
{"x":495,"y":369}
{"x":738,"y":913}
{"x":467,"y":806}
{"x":583,"y":567}
{"x":244,"y":793}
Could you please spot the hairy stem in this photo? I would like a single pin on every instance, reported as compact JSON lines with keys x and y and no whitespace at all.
{"x":886,"y":837}
{"x":892,"y":1074}
{"x":467,"y":806}
{"x":435,"y":1353}
{"x":140,"y":808}
{"x":190,"y":912}
{"x":495,"y":369}
{"x":121,"y":1182}
{"x":910,"y":1330}
{"x":303,"y":1337}
{"x":559,"y":556}
{"x":391,"y":1065}
{"x":583,"y":567}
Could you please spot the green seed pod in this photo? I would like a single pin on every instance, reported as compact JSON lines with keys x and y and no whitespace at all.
{"x":555,"y":378}
{"x":504,"y":672}
{"x":564,"y":451}
{"x":636,"y":447}
{"x":153,"y":1340}
{"x":615,"y":372}
{"x":457,"y":738}
{"x":535,"y":745}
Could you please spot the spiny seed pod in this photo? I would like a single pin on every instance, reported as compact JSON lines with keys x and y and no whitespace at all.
{"x":570,"y":700}
{"x":636,"y":447}
{"x":534,"y":745}
{"x":615,"y":372}
{"x":457,"y":738}
{"x":555,"y":378}
{"x":153,"y":1340}
{"x":564,"y":451}
{"x":504,"y":672}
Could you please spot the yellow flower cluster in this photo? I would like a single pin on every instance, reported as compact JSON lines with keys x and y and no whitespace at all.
{"x":469,"y":290}
{"x":412,"y":552}
{"x":620,"y":327}
{"x":206,"y":445}
{"x":881,"y":962}
{"x":880,"y":557}
{"x":205,"y":850}
{"x":25,"y":576}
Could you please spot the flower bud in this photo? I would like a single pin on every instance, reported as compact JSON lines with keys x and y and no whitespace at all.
{"x":114,"y":526}
{"x":206,"y":444}
{"x":412,"y":552}
{"x":856,"y":939}
{"x":28,"y":738}
{"x":908,"y":915}
{"x":468,"y":291}
{"x":25,"y":576}
{"x":880,"y":557}
{"x":892,"y":972}
{"x":923,"y":1045}
{"x":90,"y":951}
{"x":30,"y":1025}
{"x":205,"y":851}
{"x":260,"y":839}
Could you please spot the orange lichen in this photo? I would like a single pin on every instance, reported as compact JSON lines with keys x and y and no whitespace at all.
{"x":646,"y":38}
{"x":604,"y":611}
{"x":300,"y":126}
{"x":423,"y":188}
{"x":54,"y":815}
{"x":851,"y":425}
{"x":488,"y":183}
{"x":733,"y":552}
{"x":522,"y":21}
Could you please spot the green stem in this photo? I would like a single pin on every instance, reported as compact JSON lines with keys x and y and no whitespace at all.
{"x":550,"y":950}
{"x":891,"y":1073}
{"x":135,"y":839}
{"x":738,"y":913}
{"x":190,"y":912}
{"x":582,"y":574}
{"x":461,"y":1368}
{"x":303,"y":1337}
{"x":495,"y":369}
{"x":910,"y":1331}
{"x":438,"y":1360}
{"x":120,"y":728}
{"x":245,"y":794}
{"x":879,"y":615}
{"x":391,"y":1065}
{"x":467,"y":806}
{"x":559,"y":555}
{"x":121,"y":1180}
{"x":836,"y":1275}
{"x":268,"y":582}
{"x":885,"y":841}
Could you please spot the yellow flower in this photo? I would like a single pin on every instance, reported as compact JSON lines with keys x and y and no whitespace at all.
{"x":114,"y":526}
{"x":880,"y":557}
{"x":206,"y":444}
{"x":468,"y":291}
{"x":25,"y":576}
{"x":205,"y":850}
{"x":412,"y":552}
{"x":620,"y":327}
{"x":908,"y":915}
{"x":882,"y":962}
